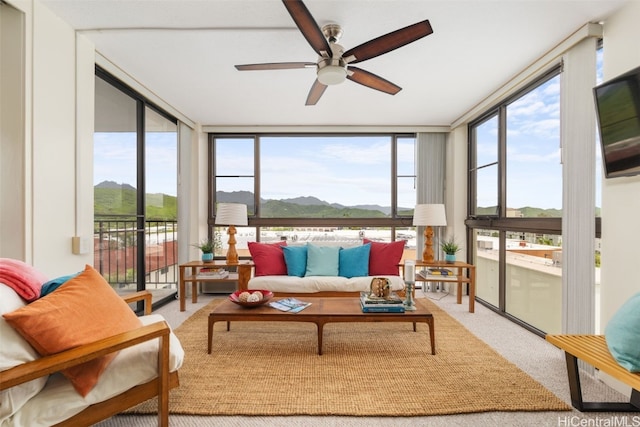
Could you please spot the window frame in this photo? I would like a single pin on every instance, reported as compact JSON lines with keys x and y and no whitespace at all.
{"x":257,"y":221}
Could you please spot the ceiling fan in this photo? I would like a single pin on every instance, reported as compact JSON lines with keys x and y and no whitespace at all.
{"x":333,"y":62}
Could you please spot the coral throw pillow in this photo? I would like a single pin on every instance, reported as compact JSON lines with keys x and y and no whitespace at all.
{"x":83,"y":310}
{"x":268,"y":258}
{"x":385,"y":257}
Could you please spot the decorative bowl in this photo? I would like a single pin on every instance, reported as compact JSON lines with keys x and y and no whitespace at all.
{"x":266,"y":296}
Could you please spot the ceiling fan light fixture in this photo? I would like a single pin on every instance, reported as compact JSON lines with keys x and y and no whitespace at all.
{"x":332,"y":75}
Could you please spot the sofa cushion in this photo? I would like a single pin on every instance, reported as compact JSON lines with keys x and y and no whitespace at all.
{"x":622,"y":334}
{"x":354,"y":262}
{"x":83,"y":310}
{"x":385,"y":257}
{"x":313,"y":284}
{"x":268,"y":258}
{"x":295,"y":257}
{"x":23,"y":278}
{"x":322,"y":260}
{"x":14,"y":350}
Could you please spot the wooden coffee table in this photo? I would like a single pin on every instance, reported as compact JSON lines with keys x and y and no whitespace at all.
{"x":321,"y":311}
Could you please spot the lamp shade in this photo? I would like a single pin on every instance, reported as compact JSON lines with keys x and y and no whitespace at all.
{"x":231,"y":214}
{"x":433,"y":215}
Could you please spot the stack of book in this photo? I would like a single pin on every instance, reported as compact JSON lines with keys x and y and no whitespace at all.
{"x":390,"y":304}
{"x":212,"y":273}
{"x":435,"y":272}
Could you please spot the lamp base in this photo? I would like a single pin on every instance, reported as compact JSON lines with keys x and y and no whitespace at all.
{"x":232,"y":254}
{"x":427,"y":254}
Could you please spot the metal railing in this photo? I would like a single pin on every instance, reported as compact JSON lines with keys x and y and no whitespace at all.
{"x":116,"y":251}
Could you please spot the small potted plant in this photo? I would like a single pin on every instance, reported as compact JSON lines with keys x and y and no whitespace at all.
{"x":450,"y":248}
{"x":208,"y":247}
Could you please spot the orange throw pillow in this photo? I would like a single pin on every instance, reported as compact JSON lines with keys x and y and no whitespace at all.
{"x":83,"y":310}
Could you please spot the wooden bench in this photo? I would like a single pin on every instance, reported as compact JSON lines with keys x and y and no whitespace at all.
{"x":593,"y":350}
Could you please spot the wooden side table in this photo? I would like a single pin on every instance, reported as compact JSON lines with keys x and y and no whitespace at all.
{"x":458,"y":268}
{"x":189,"y":273}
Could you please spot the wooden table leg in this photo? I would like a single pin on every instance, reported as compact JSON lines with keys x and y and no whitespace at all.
{"x":432,"y":335}
{"x":194,"y":287}
{"x":320,"y":326}
{"x":210,"y":335}
{"x":459,"y":296}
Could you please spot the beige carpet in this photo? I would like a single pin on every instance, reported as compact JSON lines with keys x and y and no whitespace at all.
{"x":372,"y":369}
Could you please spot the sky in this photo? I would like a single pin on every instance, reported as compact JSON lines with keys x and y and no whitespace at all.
{"x":358,"y":172}
{"x":331,"y":169}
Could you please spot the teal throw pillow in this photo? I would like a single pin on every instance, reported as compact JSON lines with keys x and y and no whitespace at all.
{"x":354,"y":262}
{"x":322,"y":260}
{"x":54,"y":284}
{"x":296,"y":259}
{"x":622,"y":334}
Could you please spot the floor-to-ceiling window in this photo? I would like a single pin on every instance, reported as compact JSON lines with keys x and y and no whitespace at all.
{"x":516,"y":205}
{"x":135,"y":191}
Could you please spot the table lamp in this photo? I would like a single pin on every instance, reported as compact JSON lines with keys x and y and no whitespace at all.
{"x":231,"y":214}
{"x":429,"y":215}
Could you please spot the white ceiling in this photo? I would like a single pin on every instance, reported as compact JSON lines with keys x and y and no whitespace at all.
{"x":185,"y":51}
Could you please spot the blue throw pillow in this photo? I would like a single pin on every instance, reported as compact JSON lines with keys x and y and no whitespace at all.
{"x":54,"y":284}
{"x":354,"y":262}
{"x":322,"y":260}
{"x":296,"y":259}
{"x":622,"y":334}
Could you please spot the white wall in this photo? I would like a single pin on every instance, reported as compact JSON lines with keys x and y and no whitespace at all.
{"x":620,"y":196}
{"x":58,"y":118}
{"x":12,"y":148}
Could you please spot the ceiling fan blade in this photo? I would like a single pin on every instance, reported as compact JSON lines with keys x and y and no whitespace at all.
{"x":308,"y":27}
{"x":371,"y":80}
{"x":388,"y":42}
{"x":315,"y":93}
{"x":276,"y":66}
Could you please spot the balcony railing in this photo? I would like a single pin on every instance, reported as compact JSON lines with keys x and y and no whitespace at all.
{"x":116,"y":252}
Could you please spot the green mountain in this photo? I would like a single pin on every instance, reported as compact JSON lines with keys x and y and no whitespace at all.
{"x":528,"y":212}
{"x":113,"y":199}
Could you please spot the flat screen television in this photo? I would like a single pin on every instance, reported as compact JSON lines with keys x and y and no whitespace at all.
{"x":618,"y":112}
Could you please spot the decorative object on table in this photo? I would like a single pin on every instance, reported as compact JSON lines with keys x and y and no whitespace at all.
{"x":372,"y":304}
{"x":208,"y":247}
{"x":410,"y":281}
{"x":450,"y":248}
{"x":429,"y":215}
{"x":251,"y":298}
{"x":231,"y":214}
{"x":380,"y":287}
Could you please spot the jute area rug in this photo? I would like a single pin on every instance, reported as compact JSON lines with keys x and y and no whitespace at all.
{"x":373,"y":369}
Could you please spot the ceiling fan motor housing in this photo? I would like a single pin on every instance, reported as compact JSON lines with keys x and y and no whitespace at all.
{"x":332,"y":71}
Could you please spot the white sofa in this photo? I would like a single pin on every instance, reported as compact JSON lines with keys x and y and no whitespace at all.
{"x":291,"y":270}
